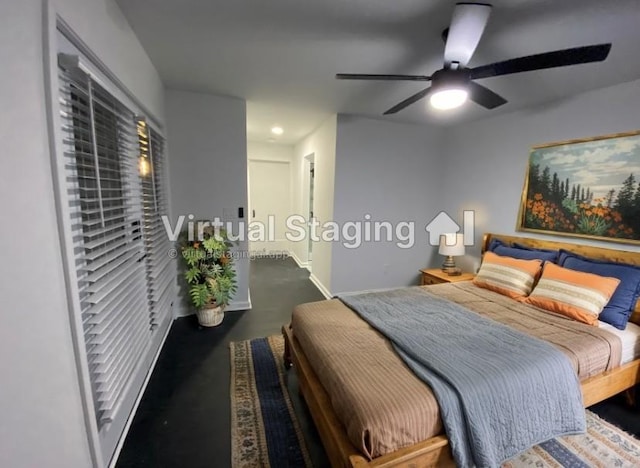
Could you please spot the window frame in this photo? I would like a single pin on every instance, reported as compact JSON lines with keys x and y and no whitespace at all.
{"x":57,"y":37}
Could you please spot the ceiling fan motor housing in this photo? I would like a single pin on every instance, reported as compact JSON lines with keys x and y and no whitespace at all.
{"x":451,"y":79}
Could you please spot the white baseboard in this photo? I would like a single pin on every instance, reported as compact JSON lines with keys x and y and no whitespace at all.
{"x":233,"y":306}
{"x":238,"y":305}
{"x":300,"y":263}
{"x":325,"y":292}
{"x":278,"y":254}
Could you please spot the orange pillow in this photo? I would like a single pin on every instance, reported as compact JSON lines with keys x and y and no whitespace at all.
{"x":580,"y":296}
{"x":506,"y":275}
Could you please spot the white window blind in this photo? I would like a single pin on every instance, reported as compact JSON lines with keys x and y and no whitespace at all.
{"x":159,"y":264}
{"x":124,"y":275}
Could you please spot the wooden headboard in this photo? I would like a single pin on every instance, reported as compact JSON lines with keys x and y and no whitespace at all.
{"x":597,"y":253}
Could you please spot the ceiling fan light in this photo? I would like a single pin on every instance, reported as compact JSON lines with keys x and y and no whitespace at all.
{"x":448,"y":98}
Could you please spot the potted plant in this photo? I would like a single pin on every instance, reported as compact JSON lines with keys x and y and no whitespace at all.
{"x":210,"y":275}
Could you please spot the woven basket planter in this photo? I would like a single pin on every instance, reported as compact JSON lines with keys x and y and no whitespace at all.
{"x":210,"y":316}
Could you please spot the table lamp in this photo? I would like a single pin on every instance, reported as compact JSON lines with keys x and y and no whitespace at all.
{"x":451,"y":245}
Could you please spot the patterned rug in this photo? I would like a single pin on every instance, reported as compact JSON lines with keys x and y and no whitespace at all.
{"x":264,"y":428}
{"x":266,"y":433}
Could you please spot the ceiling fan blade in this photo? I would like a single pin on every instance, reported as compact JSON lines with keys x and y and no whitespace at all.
{"x":355,"y":76}
{"x":484,"y":96}
{"x":467,"y":26}
{"x":407,"y":102}
{"x":558,"y":58}
{"x":444,"y":36}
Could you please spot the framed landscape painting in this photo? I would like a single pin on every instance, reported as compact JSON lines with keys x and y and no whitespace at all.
{"x":584,"y":188}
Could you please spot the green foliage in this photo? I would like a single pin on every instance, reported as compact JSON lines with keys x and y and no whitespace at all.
{"x":626,"y":193}
{"x":200,"y":295}
{"x":209,"y":273}
{"x":627,"y":202}
{"x":570,"y":205}
{"x":193,"y":256}
{"x":593,"y":225}
{"x":193,"y":275}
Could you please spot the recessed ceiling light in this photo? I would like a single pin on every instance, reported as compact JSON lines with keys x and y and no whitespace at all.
{"x":277,"y":130}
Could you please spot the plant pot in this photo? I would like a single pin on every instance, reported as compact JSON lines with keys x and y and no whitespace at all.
{"x":210,"y":315}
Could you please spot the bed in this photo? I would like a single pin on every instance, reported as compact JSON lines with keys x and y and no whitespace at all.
{"x":598,"y":382}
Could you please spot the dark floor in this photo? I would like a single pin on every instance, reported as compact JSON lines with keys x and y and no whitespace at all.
{"x":184,"y":417}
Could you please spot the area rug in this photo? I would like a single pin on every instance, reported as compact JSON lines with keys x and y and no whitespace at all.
{"x":265,"y":431}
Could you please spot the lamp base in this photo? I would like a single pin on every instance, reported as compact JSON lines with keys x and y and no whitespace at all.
{"x":449,"y":266}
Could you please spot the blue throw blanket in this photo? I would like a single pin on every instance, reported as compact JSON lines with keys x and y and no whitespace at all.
{"x":500,"y":391}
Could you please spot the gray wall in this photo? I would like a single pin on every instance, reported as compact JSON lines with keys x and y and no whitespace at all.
{"x":322,"y":144}
{"x":484,"y":162}
{"x":208,"y":167}
{"x":42,"y":420}
{"x":392,"y":172}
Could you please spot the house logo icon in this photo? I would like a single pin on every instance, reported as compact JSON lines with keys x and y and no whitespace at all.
{"x":442,"y":224}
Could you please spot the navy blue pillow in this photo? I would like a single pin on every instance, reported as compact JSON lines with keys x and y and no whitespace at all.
{"x":494,"y":243}
{"x":624,"y":299}
{"x":523,"y":253}
{"x":543,"y":254}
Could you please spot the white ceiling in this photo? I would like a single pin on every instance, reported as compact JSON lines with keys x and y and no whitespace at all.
{"x":282,"y":55}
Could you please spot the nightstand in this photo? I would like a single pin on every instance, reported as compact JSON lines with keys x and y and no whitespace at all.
{"x":437,"y":276}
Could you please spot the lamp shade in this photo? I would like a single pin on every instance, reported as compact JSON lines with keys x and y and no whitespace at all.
{"x":451,"y":244}
{"x":448,"y":98}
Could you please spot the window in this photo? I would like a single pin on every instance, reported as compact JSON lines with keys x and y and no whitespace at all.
{"x":114,"y":184}
{"x":155,"y":205}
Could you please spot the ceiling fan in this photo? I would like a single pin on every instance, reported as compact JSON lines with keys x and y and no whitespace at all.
{"x":454,"y":83}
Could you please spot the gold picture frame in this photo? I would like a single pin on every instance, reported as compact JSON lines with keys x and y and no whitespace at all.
{"x":585,"y":188}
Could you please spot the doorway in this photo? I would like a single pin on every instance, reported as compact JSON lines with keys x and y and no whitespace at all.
{"x":270,"y":204}
{"x":310,"y":174}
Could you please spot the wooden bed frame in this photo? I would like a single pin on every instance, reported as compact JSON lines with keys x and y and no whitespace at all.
{"x":435,"y":451}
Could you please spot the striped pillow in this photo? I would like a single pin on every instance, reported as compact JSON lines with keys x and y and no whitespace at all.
{"x":580,"y":296}
{"x":509,"y":276}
